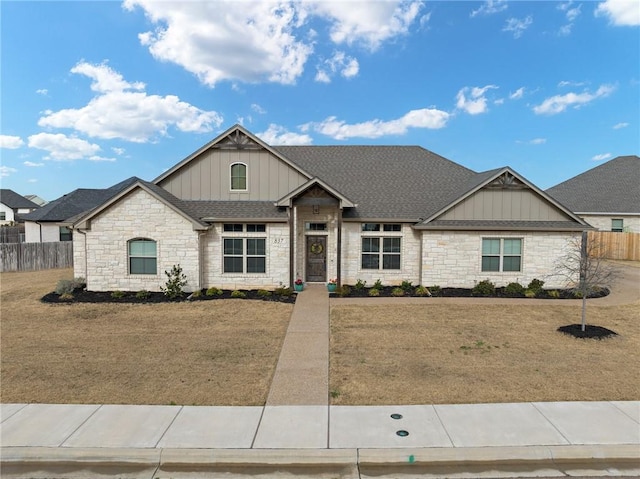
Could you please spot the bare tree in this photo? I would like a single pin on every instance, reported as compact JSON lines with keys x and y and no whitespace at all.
{"x":585,"y":269}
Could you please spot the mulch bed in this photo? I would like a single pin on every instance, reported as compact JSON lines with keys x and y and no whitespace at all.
{"x":590,"y":331}
{"x":83,"y":296}
{"x":386,"y":292}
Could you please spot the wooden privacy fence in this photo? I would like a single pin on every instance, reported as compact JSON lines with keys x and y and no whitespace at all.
{"x":35,"y":256}
{"x":625,"y":246}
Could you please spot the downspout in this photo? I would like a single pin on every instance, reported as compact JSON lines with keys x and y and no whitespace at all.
{"x":338,"y":266}
{"x":201,"y":234}
{"x":291,"y":221}
{"x":421,"y":233}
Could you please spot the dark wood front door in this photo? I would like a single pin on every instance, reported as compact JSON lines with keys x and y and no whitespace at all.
{"x":316,"y":258}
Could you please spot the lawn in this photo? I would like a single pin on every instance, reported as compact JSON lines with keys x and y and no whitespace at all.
{"x":205,"y":353}
{"x":448,"y":354}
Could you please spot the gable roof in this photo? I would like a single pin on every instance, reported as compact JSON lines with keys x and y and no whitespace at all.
{"x":613,"y":187}
{"x":14,"y":201}
{"x":287,"y":199}
{"x":77,"y":202}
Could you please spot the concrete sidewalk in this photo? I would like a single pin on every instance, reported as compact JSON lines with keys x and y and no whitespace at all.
{"x":343,"y":441}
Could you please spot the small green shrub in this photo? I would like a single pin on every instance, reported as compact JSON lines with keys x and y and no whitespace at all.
{"x":374,"y":292}
{"x":360,"y":284}
{"x":484,"y":288}
{"x":406,"y":286}
{"x":514,"y":289}
{"x":378,"y":284}
{"x":530,"y":293}
{"x":64,"y":286}
{"x":282,"y":291}
{"x":554,"y":293}
{"x":577,"y":294}
{"x":238,"y":294}
{"x":422,"y":291}
{"x":79,"y":283}
{"x":263,"y":293}
{"x":397,"y":292}
{"x":142,"y":294}
{"x":213,"y":291}
{"x":117,"y":294}
{"x":176,"y":281}
{"x":196,"y":294}
{"x":343,"y":291}
{"x":435,"y":290}
{"x":66,"y":297}
{"x":536,"y":285}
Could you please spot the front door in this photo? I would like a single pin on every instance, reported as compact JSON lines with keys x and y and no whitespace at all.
{"x":316,"y":259}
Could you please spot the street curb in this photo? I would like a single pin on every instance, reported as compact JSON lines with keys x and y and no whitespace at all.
{"x":622,"y":458}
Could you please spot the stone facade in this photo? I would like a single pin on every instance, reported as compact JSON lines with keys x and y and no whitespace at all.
{"x":324,"y":214}
{"x":453,"y":259}
{"x":140,"y":215}
{"x":631,"y":224}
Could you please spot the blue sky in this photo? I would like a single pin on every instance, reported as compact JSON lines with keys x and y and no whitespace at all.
{"x":95,"y":92}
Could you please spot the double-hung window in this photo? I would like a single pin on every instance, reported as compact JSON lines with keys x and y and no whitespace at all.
{"x":142,"y":256}
{"x":617,"y":225}
{"x":381,"y":252}
{"x":502,"y":254}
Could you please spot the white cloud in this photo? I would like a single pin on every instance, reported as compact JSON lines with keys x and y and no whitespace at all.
{"x":623,"y":124}
{"x":340,"y":63}
{"x":559,"y":103}
{"x":118,"y":151}
{"x":601,"y":157}
{"x":32,"y":164}
{"x":538,"y":141}
{"x":278,"y":135}
{"x":620,"y":12}
{"x":571,"y":14}
{"x":518,"y":26}
{"x":473,"y":99}
{"x":32,"y":180}
{"x":118,"y":112}
{"x":570,"y":83}
{"x":42,"y":91}
{"x":262,"y":40}
{"x":565,"y":30}
{"x":429,"y":118}
{"x":63,"y":148}
{"x":258,"y":109}
{"x":516,"y":95}
{"x":10,"y":142}
{"x":490,"y":7}
{"x":7,"y":170}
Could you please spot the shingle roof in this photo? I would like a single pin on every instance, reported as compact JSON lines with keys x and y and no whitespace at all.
{"x":13,"y":200}
{"x":235,"y":209}
{"x":406,"y":182}
{"x":77,"y":202}
{"x":613,"y":187}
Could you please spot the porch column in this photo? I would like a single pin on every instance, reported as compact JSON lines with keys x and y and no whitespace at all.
{"x":339,"y":241}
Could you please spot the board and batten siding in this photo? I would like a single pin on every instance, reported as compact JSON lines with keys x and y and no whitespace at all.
{"x":504,"y":204}
{"x":207,"y":177}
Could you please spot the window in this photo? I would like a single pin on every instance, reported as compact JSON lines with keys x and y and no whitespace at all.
{"x":65,"y":234}
{"x":239,"y":177}
{"x":244,"y":255}
{"x":142,"y":256}
{"x":373,"y":256}
{"x":239,"y":228}
{"x":370,"y":226}
{"x":385,"y":227}
{"x":392,"y":227}
{"x":257,"y":228}
{"x":617,"y":225}
{"x":233,"y":227}
{"x":3,"y":216}
{"x":315,"y":226}
{"x":501,"y":254}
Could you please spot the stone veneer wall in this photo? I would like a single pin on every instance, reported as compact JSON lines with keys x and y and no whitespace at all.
{"x":631,"y":224}
{"x":326,"y":214}
{"x":352,"y":249}
{"x":79,"y":255}
{"x":139,"y":215}
{"x":453,"y":259}
{"x":277,"y":260}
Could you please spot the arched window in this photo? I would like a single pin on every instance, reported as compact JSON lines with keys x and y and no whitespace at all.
{"x":239,"y":177}
{"x":142,"y":256}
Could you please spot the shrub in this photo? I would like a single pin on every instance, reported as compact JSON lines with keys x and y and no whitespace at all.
{"x":117,"y":294}
{"x":484,"y":288}
{"x":263,"y":293}
{"x":397,"y":292}
{"x":142,"y":294}
{"x":282,"y":291}
{"x":422,"y":291}
{"x":196,"y":294}
{"x":238,"y":294}
{"x":176,"y":281}
{"x":213,"y":291}
{"x":536,"y":285}
{"x":374,"y":292}
{"x":360,"y":284}
{"x":514,"y":289}
{"x":79,"y":283}
{"x":343,"y":290}
{"x":66,"y":296}
{"x":530,"y":293}
{"x":64,"y":286}
{"x":554,"y":294}
{"x":435,"y":290}
{"x":406,"y":286}
{"x":378,"y":284}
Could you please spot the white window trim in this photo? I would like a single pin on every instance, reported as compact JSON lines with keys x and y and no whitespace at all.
{"x":501,"y":254}
{"x":382,"y":235}
{"x":244,"y":236}
{"x":246,"y":177}
{"x":143,"y":275}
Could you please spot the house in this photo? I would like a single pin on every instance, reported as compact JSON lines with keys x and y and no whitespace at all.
{"x":53,"y":221}
{"x":607,"y":196}
{"x":13,"y":206}
{"x":239,"y":213}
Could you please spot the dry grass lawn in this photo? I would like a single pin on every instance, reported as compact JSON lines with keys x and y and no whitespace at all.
{"x":448,"y":354}
{"x":206,"y":353}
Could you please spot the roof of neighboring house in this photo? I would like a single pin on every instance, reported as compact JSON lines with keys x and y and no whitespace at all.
{"x":77,"y":202}
{"x":613,"y":187}
{"x":36,"y":199}
{"x":14,"y":200}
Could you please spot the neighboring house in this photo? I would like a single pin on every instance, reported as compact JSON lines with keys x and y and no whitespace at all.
{"x":13,"y":206}
{"x":53,"y":221}
{"x":607,"y":196}
{"x":36,"y":199}
{"x":239,"y":213}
